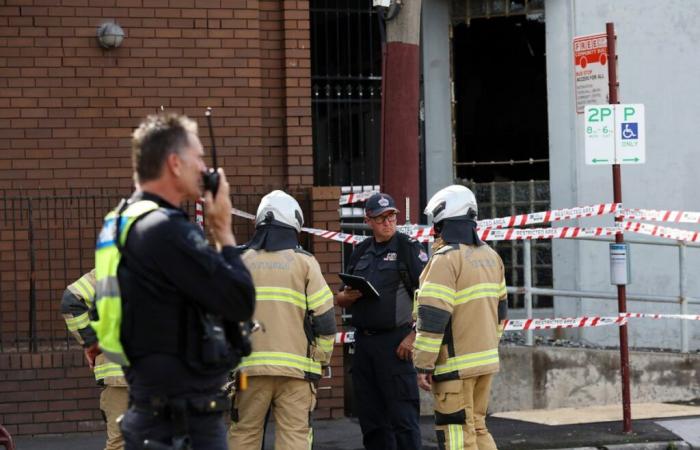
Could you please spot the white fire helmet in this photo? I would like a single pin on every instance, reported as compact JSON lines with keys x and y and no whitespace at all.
{"x":449,"y":202}
{"x":283,"y":208}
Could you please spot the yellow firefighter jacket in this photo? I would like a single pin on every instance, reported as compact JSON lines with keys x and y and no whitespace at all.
{"x":75,"y":304}
{"x":458,"y":302}
{"x":288,"y":283}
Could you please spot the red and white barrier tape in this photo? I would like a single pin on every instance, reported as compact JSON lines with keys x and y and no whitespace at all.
{"x":662,"y":232}
{"x":660,"y":316}
{"x":550,"y":216}
{"x":199,"y":214}
{"x":355,"y":197}
{"x":517,"y":234}
{"x":654,"y":215}
{"x":348,"y":337}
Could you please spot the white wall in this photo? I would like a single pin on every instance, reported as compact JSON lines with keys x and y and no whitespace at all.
{"x":658,"y":46}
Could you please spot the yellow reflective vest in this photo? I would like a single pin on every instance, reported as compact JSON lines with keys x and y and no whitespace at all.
{"x":287,"y":284}
{"x":108,"y":302}
{"x":75,"y":305}
{"x":457,"y":326}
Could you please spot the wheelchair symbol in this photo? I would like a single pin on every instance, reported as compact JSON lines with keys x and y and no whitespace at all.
{"x":629,"y":130}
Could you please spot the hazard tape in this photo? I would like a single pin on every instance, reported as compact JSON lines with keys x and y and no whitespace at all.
{"x":199,"y":214}
{"x":517,"y":234}
{"x":355,"y":197}
{"x":550,"y":216}
{"x":654,"y":215}
{"x":347,"y":337}
{"x":662,"y":232}
{"x":660,"y":316}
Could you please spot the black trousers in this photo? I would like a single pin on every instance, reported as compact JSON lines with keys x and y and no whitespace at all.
{"x":386,"y":393}
{"x":207,"y":431}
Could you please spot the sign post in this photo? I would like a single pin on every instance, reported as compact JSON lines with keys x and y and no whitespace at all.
{"x":619,"y":239}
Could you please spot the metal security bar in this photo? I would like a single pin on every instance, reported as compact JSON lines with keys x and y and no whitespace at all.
{"x":465,"y":10}
{"x":345,"y":92}
{"x":47,"y":241}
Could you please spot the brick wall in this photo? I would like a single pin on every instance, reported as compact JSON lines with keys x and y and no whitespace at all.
{"x":67,"y":106}
{"x":328,"y":253}
{"x":51,"y":392}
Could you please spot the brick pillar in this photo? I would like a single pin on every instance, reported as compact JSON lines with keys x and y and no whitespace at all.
{"x":297,"y":86}
{"x":328,"y":253}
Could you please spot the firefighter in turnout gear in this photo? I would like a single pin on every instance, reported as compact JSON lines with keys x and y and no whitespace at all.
{"x":77,"y":300}
{"x":169,"y":306}
{"x":295,"y":307}
{"x":462,"y":304}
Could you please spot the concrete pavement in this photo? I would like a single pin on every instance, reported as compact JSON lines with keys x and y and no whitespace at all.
{"x":344,"y":434}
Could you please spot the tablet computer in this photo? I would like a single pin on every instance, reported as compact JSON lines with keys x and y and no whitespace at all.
{"x":361,"y":284}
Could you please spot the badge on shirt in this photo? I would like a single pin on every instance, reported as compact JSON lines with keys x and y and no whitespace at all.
{"x":197,"y":240}
{"x":390,"y":256}
{"x":423,"y":256}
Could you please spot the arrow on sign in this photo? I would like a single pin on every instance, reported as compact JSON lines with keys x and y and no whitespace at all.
{"x":599,"y":160}
{"x":631,"y":159}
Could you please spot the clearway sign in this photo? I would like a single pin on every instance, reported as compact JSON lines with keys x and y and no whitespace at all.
{"x":614,"y":134}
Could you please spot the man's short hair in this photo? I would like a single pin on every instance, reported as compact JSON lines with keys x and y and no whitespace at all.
{"x":157,"y":137}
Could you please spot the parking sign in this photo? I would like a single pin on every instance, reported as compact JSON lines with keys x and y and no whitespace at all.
{"x":629,"y":134}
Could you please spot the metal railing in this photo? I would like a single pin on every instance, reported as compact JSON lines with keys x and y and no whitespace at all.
{"x":683,"y":299}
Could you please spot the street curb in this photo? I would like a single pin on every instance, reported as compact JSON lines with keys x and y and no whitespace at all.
{"x":672,"y":445}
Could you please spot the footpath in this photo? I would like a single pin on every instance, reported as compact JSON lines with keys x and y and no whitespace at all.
{"x":668,"y":433}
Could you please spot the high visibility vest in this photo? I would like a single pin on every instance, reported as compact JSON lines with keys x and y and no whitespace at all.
{"x":108,"y":301}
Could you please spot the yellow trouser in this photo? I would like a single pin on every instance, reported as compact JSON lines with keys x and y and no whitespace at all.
{"x":114,"y":401}
{"x":292,"y":400}
{"x":460,"y":408}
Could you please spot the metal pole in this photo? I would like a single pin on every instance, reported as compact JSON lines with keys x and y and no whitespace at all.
{"x":527,"y":278}
{"x":684,"y":300}
{"x":619,"y":238}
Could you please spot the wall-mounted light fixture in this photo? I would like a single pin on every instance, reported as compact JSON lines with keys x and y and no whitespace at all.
{"x":110,"y":35}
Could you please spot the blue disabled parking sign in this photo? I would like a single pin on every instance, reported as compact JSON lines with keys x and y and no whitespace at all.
{"x":628,"y":130}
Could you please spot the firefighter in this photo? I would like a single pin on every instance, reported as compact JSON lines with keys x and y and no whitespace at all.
{"x":168,"y":306}
{"x":295,"y":307}
{"x":462,"y":304}
{"x":77,"y":300}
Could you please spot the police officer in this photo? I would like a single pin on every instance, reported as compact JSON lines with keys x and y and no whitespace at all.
{"x":295,"y":306}
{"x":383,"y":376}
{"x":168,"y":304}
{"x":77,"y":300}
{"x":462,"y":304}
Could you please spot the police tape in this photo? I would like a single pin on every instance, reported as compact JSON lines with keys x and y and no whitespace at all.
{"x":355,"y":197}
{"x":535,"y":218}
{"x":199,"y":214}
{"x":654,"y":215}
{"x":347,"y":337}
{"x":660,"y":316}
{"x":661,"y":232}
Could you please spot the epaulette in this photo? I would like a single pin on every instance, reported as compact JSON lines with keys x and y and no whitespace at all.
{"x":447,"y":248}
{"x":302,"y":251}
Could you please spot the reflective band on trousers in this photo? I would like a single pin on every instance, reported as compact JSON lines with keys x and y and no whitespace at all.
{"x":467,"y":361}
{"x":456,"y":437}
{"x":282,"y":359}
{"x":108,"y":370}
{"x":79,"y":322}
{"x":427,"y":344}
